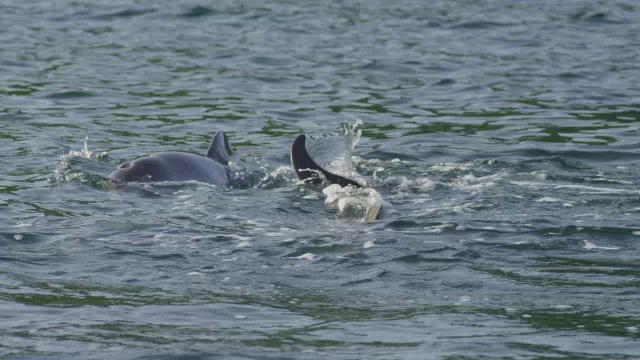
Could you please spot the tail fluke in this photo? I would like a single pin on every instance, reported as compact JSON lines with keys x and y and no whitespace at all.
{"x":308,"y":170}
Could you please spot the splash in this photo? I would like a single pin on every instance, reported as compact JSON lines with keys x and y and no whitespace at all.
{"x":362,"y":203}
{"x":82,"y":166}
{"x":257,"y":172}
{"x":280,"y":177}
{"x":84,"y":153}
{"x":334,"y":153}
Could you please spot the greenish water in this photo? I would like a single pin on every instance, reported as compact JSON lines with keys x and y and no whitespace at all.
{"x":504,"y":134}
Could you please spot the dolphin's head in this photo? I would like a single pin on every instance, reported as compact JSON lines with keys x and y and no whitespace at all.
{"x":140,"y":170}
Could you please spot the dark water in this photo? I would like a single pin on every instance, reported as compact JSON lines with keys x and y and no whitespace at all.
{"x":504,"y":134}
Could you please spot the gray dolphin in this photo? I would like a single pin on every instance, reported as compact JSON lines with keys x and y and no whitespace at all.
{"x":212,"y":169}
{"x":309,"y":171}
{"x":180,"y":166}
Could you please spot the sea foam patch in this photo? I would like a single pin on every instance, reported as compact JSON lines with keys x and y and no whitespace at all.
{"x":354,"y":202}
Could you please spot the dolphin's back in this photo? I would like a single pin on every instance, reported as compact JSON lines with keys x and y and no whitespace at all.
{"x":172,"y":166}
{"x":186,"y":166}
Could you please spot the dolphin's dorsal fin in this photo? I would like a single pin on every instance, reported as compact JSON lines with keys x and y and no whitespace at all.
{"x":307,"y":170}
{"x":220,"y":150}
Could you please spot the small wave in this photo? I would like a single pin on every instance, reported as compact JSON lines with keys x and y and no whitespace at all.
{"x":450,"y":167}
{"x":365,"y":276}
{"x":74,"y":94}
{"x":588,"y":189}
{"x":595,"y":16}
{"x":124,"y":13}
{"x":480,"y":25}
{"x":474,"y":184}
{"x":445,"y":82}
{"x":197,"y":11}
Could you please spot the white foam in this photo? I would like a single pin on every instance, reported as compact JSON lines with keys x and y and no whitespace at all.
{"x":239,"y":237}
{"x":351,"y":201}
{"x":307,"y":256}
{"x":589,"y":245}
{"x":613,"y":181}
{"x":463,"y":209}
{"x":598,"y":190}
{"x":419,"y":201}
{"x":529,"y":184}
{"x":471,"y":179}
{"x":475,"y":187}
{"x":538,"y":174}
{"x":274,"y":234}
{"x":426,"y":184}
{"x":591,"y":189}
{"x":474,"y":184}
{"x":20,"y":225}
{"x":448,"y":167}
{"x":404,"y":185}
{"x":438,"y":228}
{"x":548,"y":199}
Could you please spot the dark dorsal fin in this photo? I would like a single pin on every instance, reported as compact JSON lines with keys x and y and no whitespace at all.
{"x":307,"y":170}
{"x":219,"y":150}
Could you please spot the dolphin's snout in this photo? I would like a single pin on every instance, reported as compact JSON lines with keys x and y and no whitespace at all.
{"x":116,"y":176}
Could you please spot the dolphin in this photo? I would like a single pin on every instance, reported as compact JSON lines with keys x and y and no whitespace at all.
{"x":212,"y":168}
{"x":180,"y":166}
{"x":310,"y":172}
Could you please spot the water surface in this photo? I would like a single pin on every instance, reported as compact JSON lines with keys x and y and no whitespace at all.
{"x":504,"y":134}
